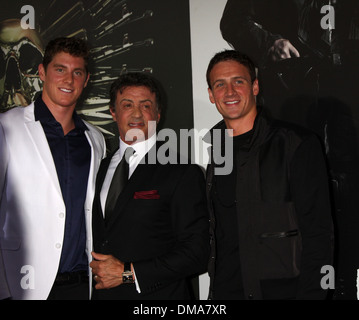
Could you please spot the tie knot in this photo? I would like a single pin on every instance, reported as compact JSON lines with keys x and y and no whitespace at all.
{"x":128,"y":153}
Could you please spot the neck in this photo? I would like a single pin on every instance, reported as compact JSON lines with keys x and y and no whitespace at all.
{"x":63,"y":115}
{"x":241,"y":125}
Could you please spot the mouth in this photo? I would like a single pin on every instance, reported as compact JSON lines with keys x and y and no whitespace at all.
{"x":230,"y":103}
{"x":65,"y":90}
{"x":136,"y":124}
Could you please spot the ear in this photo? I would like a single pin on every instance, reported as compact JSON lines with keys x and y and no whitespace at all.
{"x":87,"y":79}
{"x":42,"y":72}
{"x":158,"y":117}
{"x":113,"y":113}
{"x":255,"y":87}
{"x":210,"y":93}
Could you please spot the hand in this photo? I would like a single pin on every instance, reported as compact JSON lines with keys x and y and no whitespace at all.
{"x":107,"y":271}
{"x":282,"y":49}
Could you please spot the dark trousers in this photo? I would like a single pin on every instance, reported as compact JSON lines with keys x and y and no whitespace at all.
{"x":74,"y":286}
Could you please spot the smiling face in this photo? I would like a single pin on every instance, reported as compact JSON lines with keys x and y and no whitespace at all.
{"x":133,"y":109}
{"x":63,"y":80}
{"x":234,"y":95}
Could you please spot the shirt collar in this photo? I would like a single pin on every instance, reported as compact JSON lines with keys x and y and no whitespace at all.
{"x":43,"y":114}
{"x":141,"y":148}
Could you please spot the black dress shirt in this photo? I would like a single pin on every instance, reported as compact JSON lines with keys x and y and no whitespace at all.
{"x":71,"y":154}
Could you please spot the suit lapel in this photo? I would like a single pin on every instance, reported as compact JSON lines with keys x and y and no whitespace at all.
{"x":95,"y":160}
{"x":98,"y":186}
{"x":38,"y":138}
{"x":143,"y":172}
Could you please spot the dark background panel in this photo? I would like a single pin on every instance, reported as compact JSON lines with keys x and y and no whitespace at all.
{"x":125,"y":36}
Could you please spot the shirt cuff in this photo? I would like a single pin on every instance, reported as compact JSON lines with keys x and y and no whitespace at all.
{"x":136,"y":282}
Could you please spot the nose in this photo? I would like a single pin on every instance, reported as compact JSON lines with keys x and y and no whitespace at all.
{"x":137,"y":112}
{"x":230,"y":90}
{"x":69,"y":78}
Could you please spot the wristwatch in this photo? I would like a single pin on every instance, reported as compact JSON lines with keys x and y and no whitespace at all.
{"x":127,"y":275}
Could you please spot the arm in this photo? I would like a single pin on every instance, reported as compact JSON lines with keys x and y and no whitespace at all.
{"x":4,"y":291}
{"x":246,"y":24}
{"x":189,"y":255}
{"x":310,"y":191}
{"x":107,"y":270}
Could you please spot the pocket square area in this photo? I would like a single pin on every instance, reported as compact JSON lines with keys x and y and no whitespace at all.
{"x":150,"y":194}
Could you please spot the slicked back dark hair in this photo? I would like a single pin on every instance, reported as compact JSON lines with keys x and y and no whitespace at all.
{"x":73,"y":46}
{"x":135,"y":79}
{"x":231,"y":55}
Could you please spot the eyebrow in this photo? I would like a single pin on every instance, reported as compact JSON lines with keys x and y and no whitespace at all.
{"x":233,"y":78}
{"x":57,"y":65}
{"x":129,"y":100}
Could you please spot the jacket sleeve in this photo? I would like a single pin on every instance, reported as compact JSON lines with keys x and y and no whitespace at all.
{"x":4,"y":291}
{"x":241,"y":28}
{"x":310,"y":191}
{"x":191,"y":226}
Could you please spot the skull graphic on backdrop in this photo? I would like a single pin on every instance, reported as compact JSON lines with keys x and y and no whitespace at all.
{"x":123,"y":35}
{"x":21,"y":53}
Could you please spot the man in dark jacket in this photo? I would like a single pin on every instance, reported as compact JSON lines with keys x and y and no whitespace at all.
{"x":271,"y":222}
{"x":307,"y":52}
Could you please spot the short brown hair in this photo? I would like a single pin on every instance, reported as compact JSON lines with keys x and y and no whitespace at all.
{"x":231,"y":55}
{"x":73,"y":46}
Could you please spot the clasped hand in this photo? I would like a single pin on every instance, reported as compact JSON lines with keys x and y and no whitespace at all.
{"x":107,"y":271}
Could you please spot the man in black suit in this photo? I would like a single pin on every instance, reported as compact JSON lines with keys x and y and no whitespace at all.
{"x":157,"y":234}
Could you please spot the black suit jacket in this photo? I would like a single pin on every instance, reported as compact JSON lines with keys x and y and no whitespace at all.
{"x":165,"y":236}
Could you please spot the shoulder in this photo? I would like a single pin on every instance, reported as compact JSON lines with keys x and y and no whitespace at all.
{"x":12,"y":119}
{"x":191,"y":168}
{"x":189,"y":175}
{"x":291,"y":131}
{"x":95,"y":132}
{"x":17,"y":112}
{"x":92,"y":128}
{"x":218,"y":126}
{"x":287,"y":135}
{"x":296,"y":139}
{"x":171,"y":161}
{"x":97,"y":139}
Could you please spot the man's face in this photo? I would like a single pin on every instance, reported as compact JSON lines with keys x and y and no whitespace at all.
{"x":134,"y":108}
{"x":233,"y":91}
{"x":63,"y":80}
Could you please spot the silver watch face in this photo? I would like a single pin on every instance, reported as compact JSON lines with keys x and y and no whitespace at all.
{"x":127,"y":277}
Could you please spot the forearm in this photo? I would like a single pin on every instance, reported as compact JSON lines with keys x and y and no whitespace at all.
{"x":241,"y":28}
